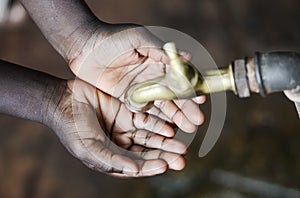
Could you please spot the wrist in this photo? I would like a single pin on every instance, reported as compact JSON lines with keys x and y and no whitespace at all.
{"x":61,"y":22}
{"x":26,"y":93}
{"x":82,"y":38}
{"x":55,"y":92}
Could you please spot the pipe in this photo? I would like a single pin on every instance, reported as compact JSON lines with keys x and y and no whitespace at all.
{"x":268,"y":73}
{"x":265,"y":73}
{"x":279,"y":71}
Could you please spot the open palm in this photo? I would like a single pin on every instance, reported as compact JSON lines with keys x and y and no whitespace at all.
{"x":100,"y":131}
{"x":123,"y":55}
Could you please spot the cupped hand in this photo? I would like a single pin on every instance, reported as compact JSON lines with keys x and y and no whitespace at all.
{"x":115,"y":57}
{"x":101,"y":132}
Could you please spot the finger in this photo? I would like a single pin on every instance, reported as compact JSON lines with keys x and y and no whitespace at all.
{"x":151,"y":167}
{"x":121,"y":166}
{"x":158,"y":113}
{"x":185,"y":56}
{"x":170,"y":109}
{"x":199,"y":99}
{"x":115,"y":164}
{"x":147,"y":169}
{"x":151,"y":140}
{"x":125,"y":164}
{"x":115,"y":174}
{"x":153,"y":124}
{"x":191,"y":110}
{"x":167,"y":107}
{"x":106,"y":157}
{"x":174,"y":161}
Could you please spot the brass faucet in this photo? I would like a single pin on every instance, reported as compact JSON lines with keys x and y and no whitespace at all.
{"x":181,"y":81}
{"x":265,"y":73}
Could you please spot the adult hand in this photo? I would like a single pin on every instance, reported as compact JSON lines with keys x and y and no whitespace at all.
{"x":100,"y":131}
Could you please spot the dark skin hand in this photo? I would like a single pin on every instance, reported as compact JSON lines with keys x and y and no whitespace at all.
{"x":111,"y":57}
{"x":95,"y":127}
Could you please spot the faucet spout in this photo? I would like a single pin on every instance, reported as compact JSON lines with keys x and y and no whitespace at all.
{"x":182,"y":81}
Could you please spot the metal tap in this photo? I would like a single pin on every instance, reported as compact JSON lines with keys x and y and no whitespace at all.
{"x":265,"y":73}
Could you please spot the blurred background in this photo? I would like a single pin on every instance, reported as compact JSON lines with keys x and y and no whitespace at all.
{"x":257,"y":153}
